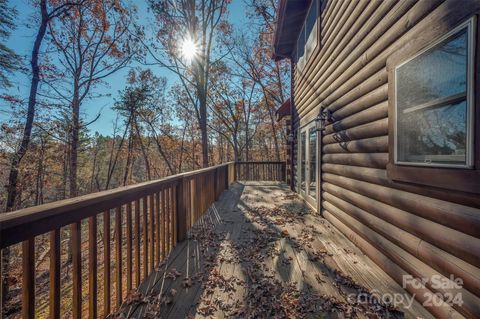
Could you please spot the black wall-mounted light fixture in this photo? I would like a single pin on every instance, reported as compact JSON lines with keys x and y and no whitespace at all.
{"x":322,"y":119}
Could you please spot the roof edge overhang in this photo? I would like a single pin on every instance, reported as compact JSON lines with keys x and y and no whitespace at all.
{"x":284,"y":110}
{"x":290,"y":17}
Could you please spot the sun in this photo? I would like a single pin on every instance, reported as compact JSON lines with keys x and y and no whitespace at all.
{"x":189,"y":49}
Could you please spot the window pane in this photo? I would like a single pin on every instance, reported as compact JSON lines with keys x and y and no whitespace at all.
{"x":438,"y":73}
{"x":435,"y":135}
{"x":312,"y":149}
{"x":303,"y":156}
{"x":301,"y":44}
{"x":311,"y":18}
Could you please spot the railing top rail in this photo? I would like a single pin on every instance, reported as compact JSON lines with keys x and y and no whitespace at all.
{"x":262,"y":162}
{"x":39,"y":219}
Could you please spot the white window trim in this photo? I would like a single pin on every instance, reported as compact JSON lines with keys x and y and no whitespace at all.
{"x":470,"y":26}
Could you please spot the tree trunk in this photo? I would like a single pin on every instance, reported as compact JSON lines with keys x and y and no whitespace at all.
{"x":129,"y":159}
{"x":203,"y":130}
{"x":275,"y":137}
{"x":39,"y":179}
{"x":94,"y":166}
{"x":66,"y":156}
{"x":32,"y":101}
{"x":27,"y":132}
{"x":144,"y":152}
{"x":75,"y":138}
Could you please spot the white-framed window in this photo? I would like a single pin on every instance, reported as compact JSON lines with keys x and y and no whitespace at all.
{"x":308,"y":37}
{"x":434,"y":105}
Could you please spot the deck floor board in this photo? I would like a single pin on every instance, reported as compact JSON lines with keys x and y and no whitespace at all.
{"x":215,"y":274}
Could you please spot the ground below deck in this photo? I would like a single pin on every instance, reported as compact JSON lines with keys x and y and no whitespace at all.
{"x":261,"y":253}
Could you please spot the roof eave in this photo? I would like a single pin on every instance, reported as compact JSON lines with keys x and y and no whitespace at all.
{"x":290,"y":17}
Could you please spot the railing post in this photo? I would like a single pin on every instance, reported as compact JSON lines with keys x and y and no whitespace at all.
{"x":181,"y":210}
{"x":284,"y":172}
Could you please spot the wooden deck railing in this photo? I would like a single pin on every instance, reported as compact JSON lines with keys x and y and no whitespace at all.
{"x":147,"y":220}
{"x":261,"y":171}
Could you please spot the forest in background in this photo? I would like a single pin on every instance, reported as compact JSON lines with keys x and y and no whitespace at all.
{"x":219,"y":107}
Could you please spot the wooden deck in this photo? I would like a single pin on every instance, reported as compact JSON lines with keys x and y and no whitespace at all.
{"x":260,"y":253}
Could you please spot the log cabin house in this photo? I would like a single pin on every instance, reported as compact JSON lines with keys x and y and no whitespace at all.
{"x":384,"y":137}
{"x":384,"y":146}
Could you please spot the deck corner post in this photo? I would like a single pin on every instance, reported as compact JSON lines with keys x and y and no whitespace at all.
{"x":181,"y":210}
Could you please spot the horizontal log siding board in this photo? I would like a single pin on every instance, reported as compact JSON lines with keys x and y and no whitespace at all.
{"x":462,"y":218}
{"x":379,"y":176}
{"x":376,"y":96}
{"x":368,"y":115}
{"x":378,"y":160}
{"x":455,"y":242}
{"x":391,"y":268}
{"x":347,"y":95}
{"x":414,"y":265}
{"x":368,"y":145}
{"x":344,"y":10}
{"x":372,"y":129}
{"x":406,"y":261}
{"x":441,"y":260}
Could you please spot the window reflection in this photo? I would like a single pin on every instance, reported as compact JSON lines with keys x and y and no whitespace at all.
{"x":312,"y":149}
{"x":436,"y":74}
{"x":432,"y":105}
{"x":434,"y":135}
{"x":303,"y":144}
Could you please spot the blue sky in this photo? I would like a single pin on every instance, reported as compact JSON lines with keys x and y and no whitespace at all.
{"x":21,"y":40}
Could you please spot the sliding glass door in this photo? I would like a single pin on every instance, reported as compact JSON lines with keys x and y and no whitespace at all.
{"x":307,"y":158}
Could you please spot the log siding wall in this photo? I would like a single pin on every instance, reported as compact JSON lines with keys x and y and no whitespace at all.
{"x":406,"y":228}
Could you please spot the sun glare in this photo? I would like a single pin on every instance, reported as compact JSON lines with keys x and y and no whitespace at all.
{"x":189,"y":49}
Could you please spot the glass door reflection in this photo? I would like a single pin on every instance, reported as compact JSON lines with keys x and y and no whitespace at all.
{"x":312,"y":152}
{"x":303,"y":161}
{"x":307,"y":163}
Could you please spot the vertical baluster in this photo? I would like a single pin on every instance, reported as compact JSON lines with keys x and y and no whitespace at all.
{"x":54,"y":274}
{"x":174,"y":204}
{"x":28,"y":285}
{"x":167,"y":218}
{"x":129,"y":246}
{"x":191,"y":201}
{"x":92,"y":266}
{"x":162,"y":224}
{"x":106,"y":263}
{"x":157,"y":229}
{"x":145,"y":237}
{"x":152,"y":239}
{"x":118,"y":253}
{"x":181,"y":210}
{"x":136,"y":231}
{"x":76,"y":230}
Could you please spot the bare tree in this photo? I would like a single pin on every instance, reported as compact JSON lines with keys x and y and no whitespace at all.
{"x":94,"y":41}
{"x":200,"y":23}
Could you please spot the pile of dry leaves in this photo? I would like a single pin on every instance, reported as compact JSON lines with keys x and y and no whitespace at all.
{"x":261,"y":292}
